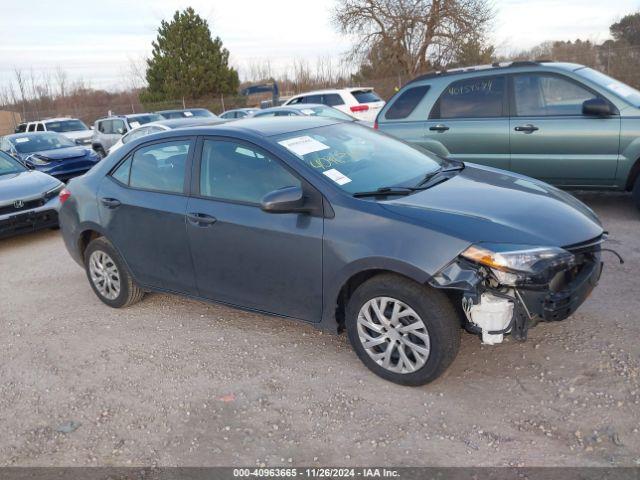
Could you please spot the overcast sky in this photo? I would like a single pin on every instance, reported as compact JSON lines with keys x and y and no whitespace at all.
{"x":97,"y":41}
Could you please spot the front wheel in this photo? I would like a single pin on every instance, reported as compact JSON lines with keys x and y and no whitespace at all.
{"x":108,"y":275}
{"x":402,"y":331}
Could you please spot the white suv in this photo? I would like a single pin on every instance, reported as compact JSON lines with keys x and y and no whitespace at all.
{"x":361,"y":103}
{"x":72,"y":128}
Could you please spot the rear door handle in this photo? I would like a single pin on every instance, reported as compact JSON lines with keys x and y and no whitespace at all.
{"x":528,"y":128}
{"x":201,"y":219}
{"x":439,"y":128}
{"x":110,"y":202}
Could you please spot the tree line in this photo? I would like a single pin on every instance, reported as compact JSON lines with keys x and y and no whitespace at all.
{"x":394,"y":40}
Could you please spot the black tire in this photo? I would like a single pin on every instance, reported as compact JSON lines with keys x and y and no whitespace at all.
{"x":434,"y":309}
{"x":635,"y":193}
{"x":129,"y":292}
{"x":100,"y":151}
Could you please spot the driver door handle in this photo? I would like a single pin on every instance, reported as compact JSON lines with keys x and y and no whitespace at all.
{"x":439,"y":128}
{"x":528,"y":128}
{"x":110,"y":202}
{"x":201,"y":219}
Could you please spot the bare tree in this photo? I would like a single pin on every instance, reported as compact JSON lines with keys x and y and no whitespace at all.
{"x":412,"y":35}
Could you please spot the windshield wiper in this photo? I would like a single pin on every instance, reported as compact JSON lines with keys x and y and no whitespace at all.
{"x":433,"y":175}
{"x":385,"y":191}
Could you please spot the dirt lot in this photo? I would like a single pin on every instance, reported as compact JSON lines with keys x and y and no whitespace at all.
{"x":178,"y":382}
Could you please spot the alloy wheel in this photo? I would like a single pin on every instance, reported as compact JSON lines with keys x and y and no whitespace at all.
{"x":104,"y":274}
{"x":393,"y":335}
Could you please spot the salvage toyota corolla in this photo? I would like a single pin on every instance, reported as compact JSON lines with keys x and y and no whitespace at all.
{"x":338,"y":225}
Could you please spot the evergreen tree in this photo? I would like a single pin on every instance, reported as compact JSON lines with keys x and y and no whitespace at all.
{"x":187,"y":62}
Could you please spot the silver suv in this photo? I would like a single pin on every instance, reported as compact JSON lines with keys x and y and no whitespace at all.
{"x":107,"y":131}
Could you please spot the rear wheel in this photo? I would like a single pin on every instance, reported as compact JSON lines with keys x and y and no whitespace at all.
{"x":108,"y":275}
{"x":636,"y":192}
{"x":402,"y":331}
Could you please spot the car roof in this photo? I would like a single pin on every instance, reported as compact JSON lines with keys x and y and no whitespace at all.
{"x":58,"y":119}
{"x":184,"y":122}
{"x":260,"y":127}
{"x":334,"y":90}
{"x":518,"y":64}
{"x":298,"y":106}
{"x":179,"y":110}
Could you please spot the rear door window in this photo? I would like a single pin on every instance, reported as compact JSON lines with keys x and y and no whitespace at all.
{"x":313,"y":99}
{"x":366,"y":96}
{"x":480,"y":97}
{"x":332,"y":99}
{"x":406,"y":103}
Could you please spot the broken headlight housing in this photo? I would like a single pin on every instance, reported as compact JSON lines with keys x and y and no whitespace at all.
{"x":511,"y":264}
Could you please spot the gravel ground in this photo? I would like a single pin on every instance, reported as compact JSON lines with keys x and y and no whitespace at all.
{"x":172,"y":381}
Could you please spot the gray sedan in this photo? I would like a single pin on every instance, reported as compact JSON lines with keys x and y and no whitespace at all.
{"x":28,"y":198}
{"x":337,"y":225}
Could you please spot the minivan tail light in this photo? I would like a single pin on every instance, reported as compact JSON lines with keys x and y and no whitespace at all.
{"x":64,"y":195}
{"x":375,"y":125}
{"x":360,"y":108}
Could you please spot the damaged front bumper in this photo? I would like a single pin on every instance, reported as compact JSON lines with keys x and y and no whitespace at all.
{"x":493,"y":309}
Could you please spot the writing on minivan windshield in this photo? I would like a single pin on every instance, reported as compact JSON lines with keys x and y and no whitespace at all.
{"x":356,"y":158}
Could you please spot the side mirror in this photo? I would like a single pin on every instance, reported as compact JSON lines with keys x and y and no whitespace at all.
{"x":284,"y":200}
{"x":597,"y":107}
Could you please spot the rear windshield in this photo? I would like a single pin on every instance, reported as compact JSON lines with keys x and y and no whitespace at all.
{"x":66,"y":126}
{"x":366,"y":96}
{"x":406,"y":103}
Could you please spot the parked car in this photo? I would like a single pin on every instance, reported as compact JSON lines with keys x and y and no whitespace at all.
{"x":50,"y":152}
{"x":238,"y":113}
{"x":161,"y":126}
{"x":309,"y":110}
{"x":28,"y":199}
{"x":563,"y":123}
{"x":186,"y":113}
{"x":107,"y":131}
{"x":71,"y":128}
{"x":332,"y":223}
{"x":362,"y":103}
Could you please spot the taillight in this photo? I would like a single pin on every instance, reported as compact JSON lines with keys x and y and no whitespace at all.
{"x":360,"y":108}
{"x":64,"y":195}
{"x":375,"y":125}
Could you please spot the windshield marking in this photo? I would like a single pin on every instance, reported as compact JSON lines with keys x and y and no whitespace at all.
{"x":337,"y":176}
{"x":303,"y":145}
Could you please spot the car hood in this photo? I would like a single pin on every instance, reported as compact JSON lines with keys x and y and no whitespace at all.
{"x":26,"y":184}
{"x":60,"y":153}
{"x":76,"y":134}
{"x":482,"y":204}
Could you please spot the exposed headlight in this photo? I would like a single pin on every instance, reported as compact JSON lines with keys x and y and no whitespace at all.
{"x":518,"y":258}
{"x":49,"y":194}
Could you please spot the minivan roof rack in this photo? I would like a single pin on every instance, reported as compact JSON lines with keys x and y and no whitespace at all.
{"x":476,"y":68}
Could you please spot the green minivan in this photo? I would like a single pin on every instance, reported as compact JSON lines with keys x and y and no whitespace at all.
{"x":563,"y":123}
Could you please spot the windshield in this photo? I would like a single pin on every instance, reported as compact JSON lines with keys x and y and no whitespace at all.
{"x":41,"y":141}
{"x":200,"y":112}
{"x":326,"y":112}
{"x":357,"y":158}
{"x":8,"y":165}
{"x":614,"y":86}
{"x":66,"y":126}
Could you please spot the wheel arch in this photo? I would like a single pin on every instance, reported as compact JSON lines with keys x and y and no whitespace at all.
{"x":355,"y":275}
{"x":634,"y":173}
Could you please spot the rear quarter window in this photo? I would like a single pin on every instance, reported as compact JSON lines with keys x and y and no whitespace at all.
{"x":366,"y":96}
{"x":406,"y":103}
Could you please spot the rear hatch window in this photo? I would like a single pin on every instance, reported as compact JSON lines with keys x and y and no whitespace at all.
{"x":366,"y":96}
{"x":406,"y":103}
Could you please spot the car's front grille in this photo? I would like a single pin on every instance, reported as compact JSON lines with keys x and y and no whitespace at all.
{"x":20,"y":206}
